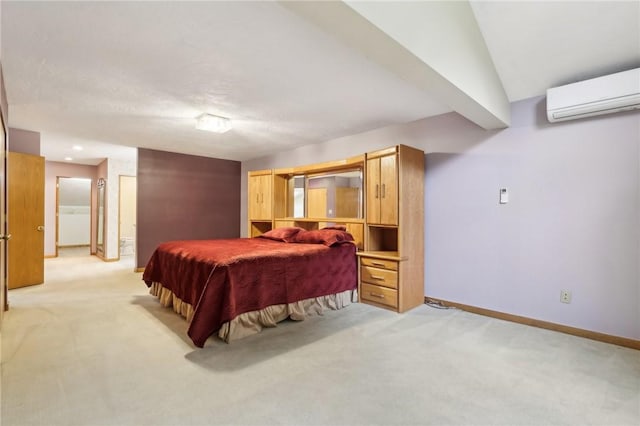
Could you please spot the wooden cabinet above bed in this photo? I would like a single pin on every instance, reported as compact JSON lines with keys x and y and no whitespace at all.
{"x":260,"y":202}
{"x":260,"y":195}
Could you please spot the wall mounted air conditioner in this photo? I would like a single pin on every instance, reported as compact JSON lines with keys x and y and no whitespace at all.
{"x":602,"y":95}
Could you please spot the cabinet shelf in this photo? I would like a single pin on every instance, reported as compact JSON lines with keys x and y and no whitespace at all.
{"x":385,"y":255}
{"x":259,"y":227}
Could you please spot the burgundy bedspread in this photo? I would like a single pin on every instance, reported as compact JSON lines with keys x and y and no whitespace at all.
{"x":222,"y":279}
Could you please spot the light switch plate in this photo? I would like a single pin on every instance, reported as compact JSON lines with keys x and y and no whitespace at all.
{"x":504,"y":196}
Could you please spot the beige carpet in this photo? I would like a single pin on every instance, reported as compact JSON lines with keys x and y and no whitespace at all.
{"x":91,"y":347}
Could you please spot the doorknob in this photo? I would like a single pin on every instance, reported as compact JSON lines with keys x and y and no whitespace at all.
{"x":5,"y":237}
{"x":40,"y":228}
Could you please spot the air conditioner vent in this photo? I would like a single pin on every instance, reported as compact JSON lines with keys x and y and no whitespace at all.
{"x":602,"y":95}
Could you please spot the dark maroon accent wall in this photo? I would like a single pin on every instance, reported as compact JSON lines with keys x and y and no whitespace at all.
{"x":185,"y":197}
{"x":24,"y":141}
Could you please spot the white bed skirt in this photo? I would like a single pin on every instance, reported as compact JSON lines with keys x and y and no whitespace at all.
{"x":253,"y":322}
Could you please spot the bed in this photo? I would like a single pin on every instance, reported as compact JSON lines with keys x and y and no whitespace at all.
{"x":235,"y":287}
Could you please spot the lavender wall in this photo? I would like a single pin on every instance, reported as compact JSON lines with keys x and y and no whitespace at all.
{"x":185,"y":197}
{"x":572,"y":221}
{"x":52,"y":171}
{"x":24,"y":141}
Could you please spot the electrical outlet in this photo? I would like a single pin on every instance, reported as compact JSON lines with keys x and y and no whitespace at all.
{"x":565,"y":296}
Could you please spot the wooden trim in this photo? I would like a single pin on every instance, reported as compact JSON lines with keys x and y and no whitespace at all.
{"x":50,"y":256}
{"x":72,"y":246}
{"x":320,"y":219}
{"x":138,"y":270}
{"x":105,"y":259}
{"x":4,"y":279}
{"x":593,"y":335}
{"x":259,"y":172}
{"x":384,"y":255}
{"x":348,"y":163}
{"x":382,"y":152}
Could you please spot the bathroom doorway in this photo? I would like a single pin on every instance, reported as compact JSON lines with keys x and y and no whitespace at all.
{"x":127,"y":214}
{"x":73,"y":230}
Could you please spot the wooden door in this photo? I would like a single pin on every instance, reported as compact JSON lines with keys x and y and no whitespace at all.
{"x":265,"y":197}
{"x":260,"y":197}
{"x":25,"y":181}
{"x":4,"y":304}
{"x":373,"y":190}
{"x":254,"y":197}
{"x":388,"y":190}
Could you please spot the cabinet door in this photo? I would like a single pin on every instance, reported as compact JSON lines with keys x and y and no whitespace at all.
{"x":254,"y":197}
{"x":373,"y":190}
{"x":265,"y":197}
{"x":388,"y":190}
{"x":259,"y":202}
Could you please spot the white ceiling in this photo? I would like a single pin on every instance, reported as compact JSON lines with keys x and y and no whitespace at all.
{"x":111,"y":76}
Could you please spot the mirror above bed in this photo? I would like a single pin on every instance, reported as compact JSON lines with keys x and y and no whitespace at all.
{"x":309,"y":197}
{"x":326,"y":195}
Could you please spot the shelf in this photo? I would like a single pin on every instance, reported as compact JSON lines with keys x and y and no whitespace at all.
{"x":382,"y":239}
{"x":259,"y":227}
{"x":387,"y":255}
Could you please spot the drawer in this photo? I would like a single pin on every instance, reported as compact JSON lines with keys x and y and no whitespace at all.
{"x":379,"y":276}
{"x":382,"y":295}
{"x":379,"y":263}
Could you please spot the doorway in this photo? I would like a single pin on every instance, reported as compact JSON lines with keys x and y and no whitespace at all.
{"x":127,"y":214}
{"x":73,"y":213}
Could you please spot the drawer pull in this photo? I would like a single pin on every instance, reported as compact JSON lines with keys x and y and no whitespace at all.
{"x":377,"y":277}
{"x":381,"y":296}
{"x":382,"y":265}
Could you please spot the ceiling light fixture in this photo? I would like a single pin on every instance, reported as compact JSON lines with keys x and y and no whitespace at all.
{"x":68,"y":159}
{"x":213,"y":123}
{"x":76,"y":148}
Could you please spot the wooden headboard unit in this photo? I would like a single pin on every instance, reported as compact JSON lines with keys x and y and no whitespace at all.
{"x":388,"y":225}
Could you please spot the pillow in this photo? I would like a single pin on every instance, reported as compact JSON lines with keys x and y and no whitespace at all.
{"x":285,"y":234}
{"x":328,"y":237}
{"x":338,"y":227}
